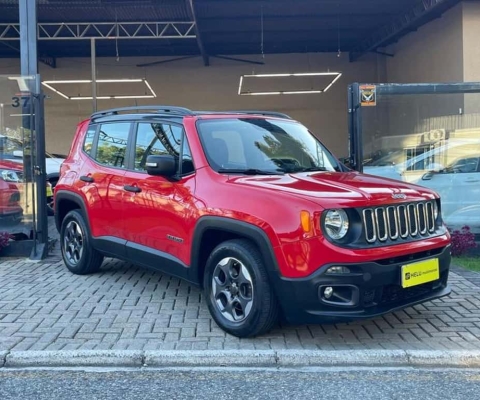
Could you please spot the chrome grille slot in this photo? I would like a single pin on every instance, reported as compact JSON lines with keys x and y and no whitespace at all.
{"x":369,"y":225}
{"x":402,"y":221}
{"x":392,"y":223}
{"x":412,"y":219}
{"x":430,"y":217}
{"x":422,"y":218}
{"x":382,"y":231}
{"x":399,"y":222}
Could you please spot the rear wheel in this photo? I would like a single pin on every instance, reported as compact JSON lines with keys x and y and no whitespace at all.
{"x":78,"y":254}
{"x":238,"y":291}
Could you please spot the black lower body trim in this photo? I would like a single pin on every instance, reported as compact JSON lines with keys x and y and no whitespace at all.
{"x":369,"y":290}
{"x":144,"y":256}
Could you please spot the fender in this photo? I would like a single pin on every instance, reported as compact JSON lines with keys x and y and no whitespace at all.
{"x":240,"y":228}
{"x":62,"y":195}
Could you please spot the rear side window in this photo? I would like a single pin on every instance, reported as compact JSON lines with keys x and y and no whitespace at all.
{"x":89,"y":137}
{"x":112,"y":144}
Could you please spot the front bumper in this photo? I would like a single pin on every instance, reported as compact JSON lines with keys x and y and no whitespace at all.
{"x":374,"y":287}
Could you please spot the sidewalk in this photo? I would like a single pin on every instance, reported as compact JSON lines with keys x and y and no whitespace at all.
{"x":43,"y":307}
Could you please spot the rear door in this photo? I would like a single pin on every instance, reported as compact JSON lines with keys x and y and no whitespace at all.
{"x":102,"y":178}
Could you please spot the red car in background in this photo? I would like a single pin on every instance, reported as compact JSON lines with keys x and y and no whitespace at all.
{"x":11,"y":175}
{"x":12,"y":189}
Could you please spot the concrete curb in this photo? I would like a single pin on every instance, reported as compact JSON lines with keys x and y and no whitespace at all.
{"x":74,"y":358}
{"x":241,"y":358}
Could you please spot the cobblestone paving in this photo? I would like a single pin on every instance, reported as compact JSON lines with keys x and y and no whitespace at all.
{"x":45,"y":307}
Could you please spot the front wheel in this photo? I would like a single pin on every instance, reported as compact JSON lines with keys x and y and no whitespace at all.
{"x":237,"y":289}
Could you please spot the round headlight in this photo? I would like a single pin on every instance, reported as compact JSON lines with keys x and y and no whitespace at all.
{"x":9,"y":176}
{"x":336,"y":224}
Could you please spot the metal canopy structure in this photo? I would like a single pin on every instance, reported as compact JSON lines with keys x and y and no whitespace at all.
{"x":216,"y":27}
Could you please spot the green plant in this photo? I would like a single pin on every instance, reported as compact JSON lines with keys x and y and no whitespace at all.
{"x":463,"y":240}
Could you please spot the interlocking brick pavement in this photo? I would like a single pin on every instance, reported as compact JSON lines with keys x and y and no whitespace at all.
{"x":45,"y":307}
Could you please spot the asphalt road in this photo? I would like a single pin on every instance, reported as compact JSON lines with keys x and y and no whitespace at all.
{"x":241,"y":384}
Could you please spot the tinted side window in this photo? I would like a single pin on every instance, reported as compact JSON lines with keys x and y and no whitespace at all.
{"x":88,"y":143}
{"x":112,"y":144}
{"x":161,"y":139}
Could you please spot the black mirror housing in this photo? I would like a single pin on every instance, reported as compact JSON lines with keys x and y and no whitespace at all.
{"x":165,"y":165}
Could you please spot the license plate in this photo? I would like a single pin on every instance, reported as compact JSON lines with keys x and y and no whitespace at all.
{"x":49,"y":191}
{"x":420,"y":272}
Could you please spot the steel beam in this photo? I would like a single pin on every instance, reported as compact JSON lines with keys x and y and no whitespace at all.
{"x":399,"y":25}
{"x":104,"y":30}
{"x":34,"y":161}
{"x":193,"y":16}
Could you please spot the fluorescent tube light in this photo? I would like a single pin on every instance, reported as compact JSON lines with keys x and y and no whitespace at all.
{"x":336,"y":75}
{"x":49,"y":85}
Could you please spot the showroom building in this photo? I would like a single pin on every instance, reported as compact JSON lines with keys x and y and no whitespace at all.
{"x":297,"y":57}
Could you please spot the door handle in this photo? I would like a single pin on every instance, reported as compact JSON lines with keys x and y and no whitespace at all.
{"x":133,"y":189}
{"x":471,"y":180}
{"x":87,"y":179}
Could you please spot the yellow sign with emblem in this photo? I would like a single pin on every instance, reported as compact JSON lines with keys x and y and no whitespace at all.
{"x":420,"y":272}
{"x":368,"y":95}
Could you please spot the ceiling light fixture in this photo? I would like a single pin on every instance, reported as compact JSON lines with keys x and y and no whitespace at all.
{"x":336,"y":75}
{"x":49,"y":84}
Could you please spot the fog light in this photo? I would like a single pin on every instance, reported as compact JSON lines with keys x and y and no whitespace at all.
{"x":328,"y":292}
{"x":338,"y":270}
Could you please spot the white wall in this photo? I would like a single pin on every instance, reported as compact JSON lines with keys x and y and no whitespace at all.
{"x":188,"y":83}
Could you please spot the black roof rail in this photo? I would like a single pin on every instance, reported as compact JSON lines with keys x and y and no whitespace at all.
{"x":157,"y":109}
{"x":266,"y":113}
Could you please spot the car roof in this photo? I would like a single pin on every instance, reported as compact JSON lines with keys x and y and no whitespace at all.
{"x":178,"y":112}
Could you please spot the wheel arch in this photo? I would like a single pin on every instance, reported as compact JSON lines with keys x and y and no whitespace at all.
{"x":66,"y":202}
{"x":210,"y":231}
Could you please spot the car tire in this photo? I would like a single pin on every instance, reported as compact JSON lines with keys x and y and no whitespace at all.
{"x":237,"y":289}
{"x":78,"y":254}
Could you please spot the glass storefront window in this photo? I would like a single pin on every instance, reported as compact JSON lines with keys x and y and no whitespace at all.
{"x":432,"y":141}
{"x":17,"y":151}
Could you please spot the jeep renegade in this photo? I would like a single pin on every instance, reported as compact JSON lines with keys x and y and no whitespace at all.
{"x":251,"y":207}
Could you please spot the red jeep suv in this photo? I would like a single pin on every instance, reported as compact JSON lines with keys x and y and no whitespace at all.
{"x":252,"y":208}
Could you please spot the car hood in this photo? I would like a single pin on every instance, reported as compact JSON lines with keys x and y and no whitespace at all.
{"x":52,"y":165}
{"x":339,"y":189}
{"x":12,"y":165}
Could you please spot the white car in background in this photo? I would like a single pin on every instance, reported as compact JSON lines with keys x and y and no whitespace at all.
{"x":459,"y":188}
{"x":12,"y":149}
{"x":394,"y":165}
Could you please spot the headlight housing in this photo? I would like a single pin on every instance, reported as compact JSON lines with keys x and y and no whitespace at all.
{"x":336,"y":224}
{"x":9,"y":175}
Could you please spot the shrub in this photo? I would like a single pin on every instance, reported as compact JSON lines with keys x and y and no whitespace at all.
{"x":462,"y":241}
{"x":4,"y":239}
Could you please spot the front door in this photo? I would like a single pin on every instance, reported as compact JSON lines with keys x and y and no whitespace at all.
{"x":159,"y":211}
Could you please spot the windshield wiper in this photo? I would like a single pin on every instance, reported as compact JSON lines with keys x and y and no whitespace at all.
{"x":310,"y":169}
{"x":250,"y":171}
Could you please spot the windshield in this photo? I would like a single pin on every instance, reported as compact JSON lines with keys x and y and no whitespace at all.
{"x":263,"y":146}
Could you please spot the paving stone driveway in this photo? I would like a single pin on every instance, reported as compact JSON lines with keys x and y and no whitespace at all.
{"x":44,"y":307}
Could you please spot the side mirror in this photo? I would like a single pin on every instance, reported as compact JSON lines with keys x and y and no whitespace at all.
{"x":428,"y":176}
{"x":18,"y":153}
{"x":161,"y":165}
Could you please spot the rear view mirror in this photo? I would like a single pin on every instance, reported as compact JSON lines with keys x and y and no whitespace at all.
{"x":161,"y":165}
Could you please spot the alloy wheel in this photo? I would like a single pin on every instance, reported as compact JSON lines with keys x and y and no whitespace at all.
{"x":73,"y":243}
{"x":232,"y":289}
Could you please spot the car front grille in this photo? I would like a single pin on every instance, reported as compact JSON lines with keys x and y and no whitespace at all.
{"x":399,"y":222}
